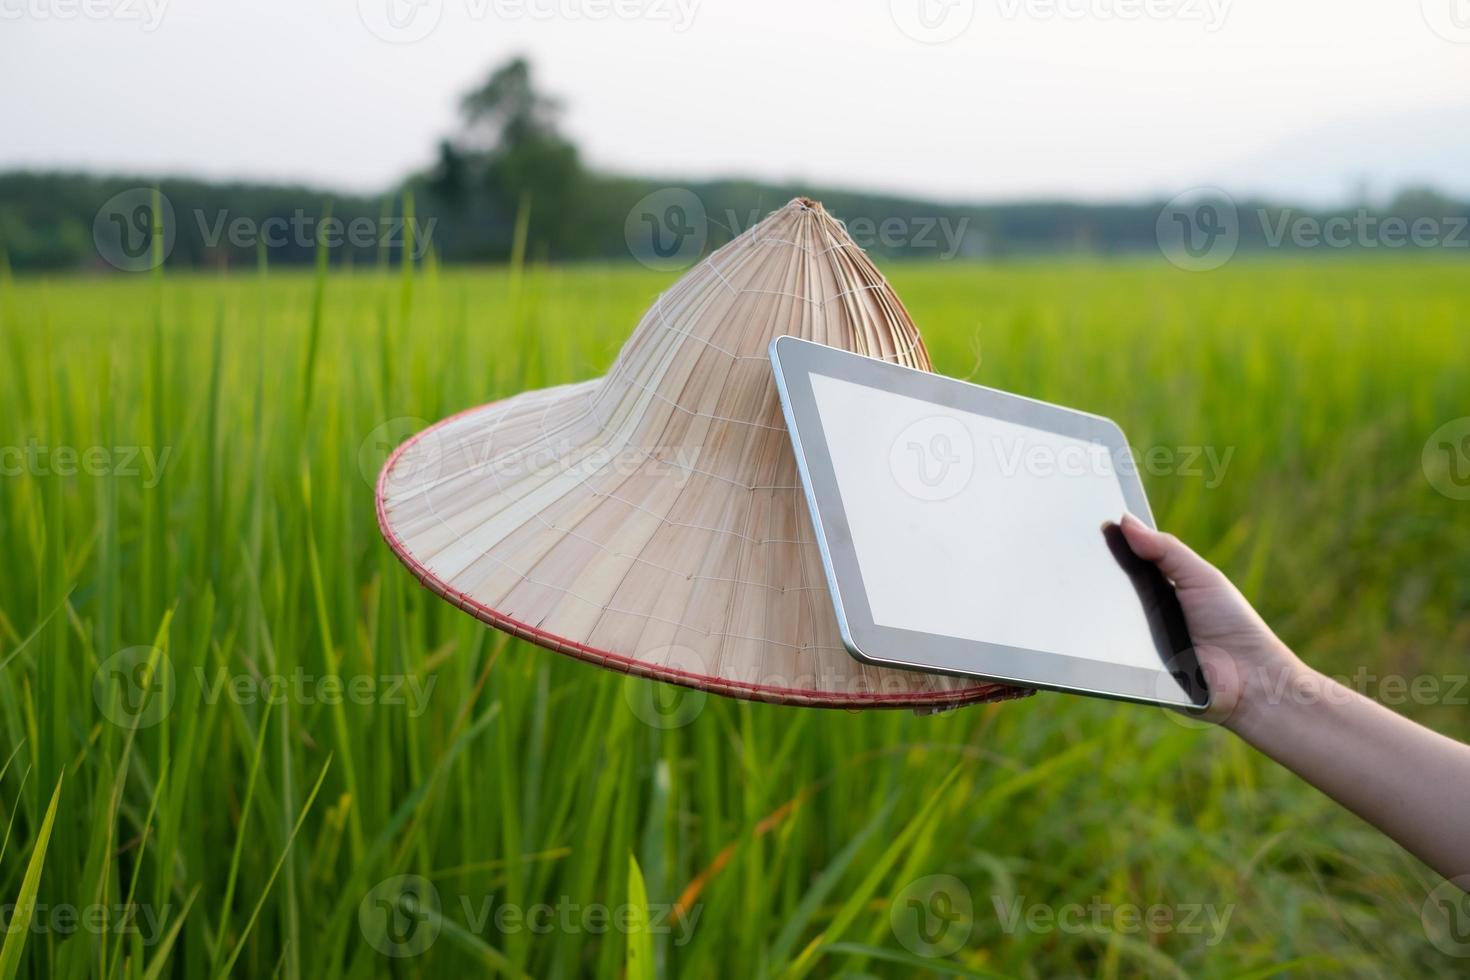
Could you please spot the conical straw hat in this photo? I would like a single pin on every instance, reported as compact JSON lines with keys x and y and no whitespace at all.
{"x":652,"y":520}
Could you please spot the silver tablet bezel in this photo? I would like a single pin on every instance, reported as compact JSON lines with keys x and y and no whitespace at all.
{"x":1177,"y":683}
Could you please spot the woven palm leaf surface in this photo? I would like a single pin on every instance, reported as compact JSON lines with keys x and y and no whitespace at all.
{"x":652,"y":520}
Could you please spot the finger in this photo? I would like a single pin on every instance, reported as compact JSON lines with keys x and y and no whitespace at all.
{"x":1174,"y":558}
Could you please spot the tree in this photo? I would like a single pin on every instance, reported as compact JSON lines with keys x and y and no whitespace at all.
{"x":510,"y":154}
{"x":507,"y":109}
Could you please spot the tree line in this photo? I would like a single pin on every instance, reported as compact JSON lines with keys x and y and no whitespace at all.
{"x":509,"y":180}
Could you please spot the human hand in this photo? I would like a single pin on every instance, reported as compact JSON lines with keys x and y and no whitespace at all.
{"x":1409,"y":782}
{"x":1244,"y":663}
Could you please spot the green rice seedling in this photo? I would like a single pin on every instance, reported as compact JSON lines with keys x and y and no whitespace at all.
{"x":242,"y":741}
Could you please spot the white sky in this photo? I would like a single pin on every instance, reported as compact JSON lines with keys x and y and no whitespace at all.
{"x":1033,"y":98}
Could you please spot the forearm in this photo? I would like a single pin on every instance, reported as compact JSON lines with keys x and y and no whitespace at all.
{"x":1409,"y":782}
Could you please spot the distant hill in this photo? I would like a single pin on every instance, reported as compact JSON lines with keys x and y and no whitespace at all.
{"x":1331,"y":161}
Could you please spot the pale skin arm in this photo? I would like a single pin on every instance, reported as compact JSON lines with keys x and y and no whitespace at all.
{"x":1409,"y":782}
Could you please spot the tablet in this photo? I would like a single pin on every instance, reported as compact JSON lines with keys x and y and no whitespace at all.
{"x":969,"y":531}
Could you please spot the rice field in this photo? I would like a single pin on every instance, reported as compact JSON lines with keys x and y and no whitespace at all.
{"x":238,"y":739}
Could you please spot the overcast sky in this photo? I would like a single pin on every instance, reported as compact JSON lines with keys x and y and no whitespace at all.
{"x":960,"y":99}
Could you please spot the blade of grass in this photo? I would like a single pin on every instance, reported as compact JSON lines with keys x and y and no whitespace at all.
{"x":15,"y":810}
{"x":797,"y":921}
{"x":860,"y":896}
{"x":138,"y":865}
{"x":24,"y":909}
{"x":227,"y":900}
{"x":36,"y":631}
{"x":229,"y":964}
{"x":314,"y":326}
{"x":919,"y":965}
{"x":639,"y":964}
{"x":166,"y":944}
{"x":329,"y":656}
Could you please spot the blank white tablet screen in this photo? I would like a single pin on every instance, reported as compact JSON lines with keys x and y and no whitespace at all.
{"x":976,"y":528}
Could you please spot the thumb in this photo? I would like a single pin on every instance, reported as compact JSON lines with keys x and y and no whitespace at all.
{"x":1174,"y":558}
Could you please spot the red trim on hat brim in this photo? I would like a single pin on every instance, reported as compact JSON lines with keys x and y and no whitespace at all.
{"x":603,"y":658}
